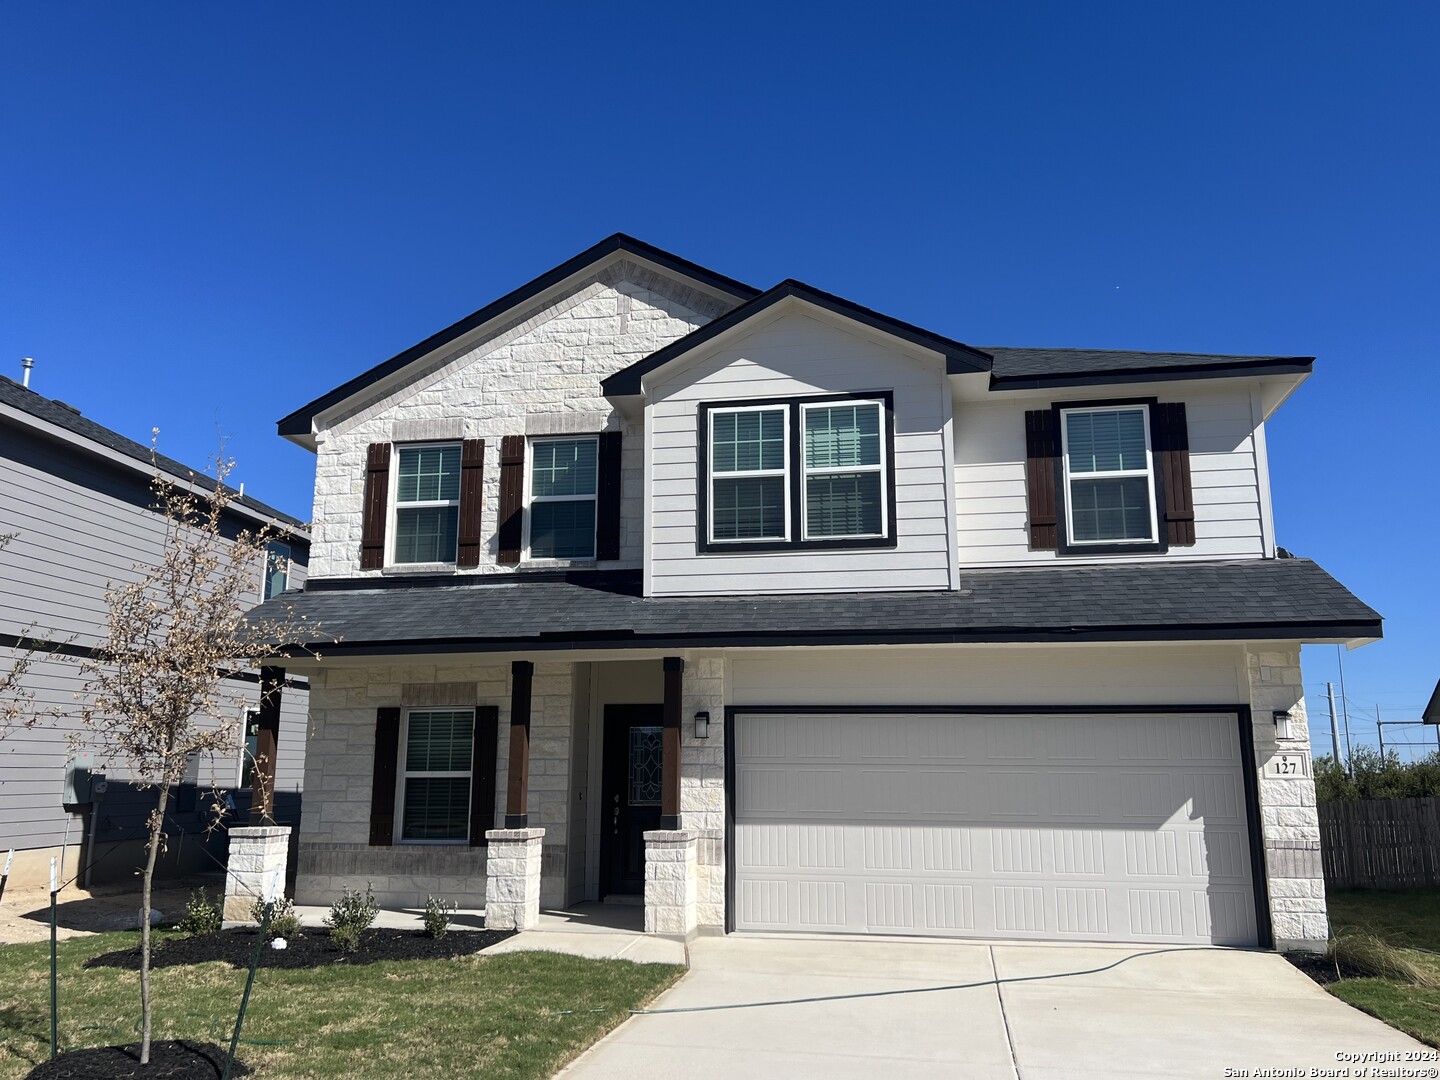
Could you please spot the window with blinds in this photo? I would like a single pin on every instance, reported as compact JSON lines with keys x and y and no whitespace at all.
{"x":1109,"y":475}
{"x":844,"y":470}
{"x":427,"y":503}
{"x":749,"y":453}
{"x":436,"y":753}
{"x":563,"y":484}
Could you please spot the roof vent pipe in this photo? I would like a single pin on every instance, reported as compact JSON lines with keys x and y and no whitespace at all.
{"x":26,"y":363}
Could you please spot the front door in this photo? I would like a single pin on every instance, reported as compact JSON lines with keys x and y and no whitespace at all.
{"x":630,"y":793}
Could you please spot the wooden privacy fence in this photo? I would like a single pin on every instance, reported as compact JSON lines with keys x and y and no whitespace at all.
{"x":1381,"y":843}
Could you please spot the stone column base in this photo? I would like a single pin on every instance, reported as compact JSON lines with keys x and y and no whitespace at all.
{"x":671,"y":883}
{"x":258,"y":853}
{"x":512,"y":878}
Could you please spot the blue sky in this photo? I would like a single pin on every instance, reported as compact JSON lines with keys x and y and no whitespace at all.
{"x":213,"y":213}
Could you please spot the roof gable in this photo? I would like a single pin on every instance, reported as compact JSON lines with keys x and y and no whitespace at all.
{"x":959,"y":357}
{"x":299,"y":424}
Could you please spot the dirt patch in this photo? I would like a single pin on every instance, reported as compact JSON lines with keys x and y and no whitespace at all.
{"x":169,"y":1060}
{"x":25,"y":913}
{"x":313,"y":949}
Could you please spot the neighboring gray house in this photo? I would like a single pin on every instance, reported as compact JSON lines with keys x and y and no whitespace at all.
{"x":76,"y":496}
{"x":789,"y":615}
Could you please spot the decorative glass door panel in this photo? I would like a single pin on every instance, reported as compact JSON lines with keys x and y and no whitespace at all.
{"x":646,"y":755}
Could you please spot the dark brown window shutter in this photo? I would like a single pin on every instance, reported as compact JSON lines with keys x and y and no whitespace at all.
{"x":382,"y":788}
{"x":377,"y":491}
{"x":607,"y":500}
{"x":482,"y":773}
{"x":1170,"y":439}
{"x":512,"y":497}
{"x":472,"y":501}
{"x":1042,"y":448}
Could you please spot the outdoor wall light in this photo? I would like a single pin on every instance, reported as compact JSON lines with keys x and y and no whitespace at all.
{"x":1282,"y":723}
{"x":702,"y":725}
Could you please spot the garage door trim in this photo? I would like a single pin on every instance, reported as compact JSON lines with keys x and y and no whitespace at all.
{"x":1260,"y":887}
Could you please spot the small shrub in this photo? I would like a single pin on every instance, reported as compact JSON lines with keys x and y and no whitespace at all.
{"x":437,"y":915}
{"x":351,"y":916}
{"x":283,"y":920}
{"x":201,"y":915}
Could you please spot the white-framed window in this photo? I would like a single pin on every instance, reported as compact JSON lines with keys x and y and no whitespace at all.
{"x":564,"y":474}
{"x":844,"y":490}
{"x":1109,"y":475}
{"x":436,"y":751}
{"x":749,"y":490}
{"x":426,"y":503}
{"x":277,"y":569}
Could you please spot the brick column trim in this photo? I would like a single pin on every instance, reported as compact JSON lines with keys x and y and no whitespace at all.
{"x":671,"y":883}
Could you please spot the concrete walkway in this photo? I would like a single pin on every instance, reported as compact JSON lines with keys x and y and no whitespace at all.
{"x":900,"y":1008}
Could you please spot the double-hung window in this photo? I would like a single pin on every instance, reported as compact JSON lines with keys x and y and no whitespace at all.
{"x":749,"y":489}
{"x":1109,"y":475}
{"x":563,"y":479}
{"x":844,"y":488}
{"x":427,"y":502}
{"x":436,"y":751}
{"x":795,"y":473}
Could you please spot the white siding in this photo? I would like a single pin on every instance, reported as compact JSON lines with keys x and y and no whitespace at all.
{"x":992,"y":516}
{"x":797,"y":355}
{"x":1016,"y":675}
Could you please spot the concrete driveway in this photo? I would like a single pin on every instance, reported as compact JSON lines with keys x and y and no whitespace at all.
{"x":758,"y":1007}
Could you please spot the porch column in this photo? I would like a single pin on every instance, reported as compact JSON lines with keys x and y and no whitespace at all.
{"x":267,"y":735}
{"x":674,"y":667}
{"x":517,"y":792}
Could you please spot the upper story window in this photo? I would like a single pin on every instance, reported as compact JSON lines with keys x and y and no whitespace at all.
{"x":277,"y":570}
{"x":1109,"y":475}
{"x":563,"y":485}
{"x":798,"y":473}
{"x":427,"y":502}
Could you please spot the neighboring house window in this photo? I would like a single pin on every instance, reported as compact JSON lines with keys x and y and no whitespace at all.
{"x":844,"y":470}
{"x":803,"y":472}
{"x":748,"y":459}
{"x":435,"y":762}
{"x":563,"y":475}
{"x":1109,"y":477}
{"x":427,"y":502}
{"x":277,"y":569}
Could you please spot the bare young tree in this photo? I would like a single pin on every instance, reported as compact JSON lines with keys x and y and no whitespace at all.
{"x":15,"y":697}
{"x":156,"y":693}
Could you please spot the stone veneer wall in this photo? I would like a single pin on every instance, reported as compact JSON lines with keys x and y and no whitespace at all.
{"x":335,"y":829}
{"x":702,"y":784}
{"x":539,"y":375}
{"x":1289,"y":820}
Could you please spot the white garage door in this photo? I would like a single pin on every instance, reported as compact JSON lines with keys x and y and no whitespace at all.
{"x":1095,"y":827}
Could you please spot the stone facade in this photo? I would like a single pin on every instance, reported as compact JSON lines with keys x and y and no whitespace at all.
{"x":538,"y":375}
{"x":512,"y":886}
{"x":256,"y":867}
{"x":670,"y":883}
{"x":702,"y":783}
{"x":1290,"y":822}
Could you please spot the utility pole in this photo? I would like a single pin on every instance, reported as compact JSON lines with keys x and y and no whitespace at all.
{"x":1334,"y":724}
{"x":1381,"y":729}
{"x":1345,"y":707}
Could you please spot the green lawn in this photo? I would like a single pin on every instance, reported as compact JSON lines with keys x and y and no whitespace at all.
{"x":521,"y":1015}
{"x":1408,"y":919}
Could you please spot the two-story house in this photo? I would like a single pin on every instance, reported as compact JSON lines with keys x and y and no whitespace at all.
{"x":783,"y":614}
{"x":77,"y":505}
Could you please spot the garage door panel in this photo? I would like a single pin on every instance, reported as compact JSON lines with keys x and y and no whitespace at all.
{"x":1101,"y":848}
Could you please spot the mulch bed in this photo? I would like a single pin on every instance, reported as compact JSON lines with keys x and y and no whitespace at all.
{"x":1322,"y":968}
{"x":174,"y":1059}
{"x":313,"y":949}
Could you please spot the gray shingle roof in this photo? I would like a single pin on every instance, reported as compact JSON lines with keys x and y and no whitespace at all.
{"x":1046,"y":365}
{"x":70,"y":419}
{"x":1256,"y":598}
